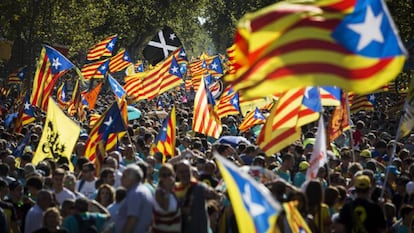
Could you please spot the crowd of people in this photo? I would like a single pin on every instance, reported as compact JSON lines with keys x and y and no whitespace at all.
{"x":362,"y":188}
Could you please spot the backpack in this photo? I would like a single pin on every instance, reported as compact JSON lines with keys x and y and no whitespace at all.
{"x":87,"y":225}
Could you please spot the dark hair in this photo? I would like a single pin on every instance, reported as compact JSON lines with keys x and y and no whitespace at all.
{"x":35,"y":182}
{"x":81,"y":204}
{"x":120,"y":194}
{"x":144,"y":167}
{"x":105,"y":172}
{"x":4,"y":169}
{"x":331,"y":195}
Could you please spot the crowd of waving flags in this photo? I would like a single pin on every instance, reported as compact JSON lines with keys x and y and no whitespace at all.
{"x":304,"y":55}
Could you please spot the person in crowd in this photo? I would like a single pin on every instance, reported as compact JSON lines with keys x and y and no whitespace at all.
{"x":86,"y":185}
{"x":135,"y":212}
{"x":52,"y":222}
{"x":34,"y":217}
{"x":361,"y":214}
{"x":284,"y":170}
{"x":120,"y":195}
{"x":61,"y":193}
{"x":193,"y":197}
{"x":300,"y":176}
{"x":105,"y":195}
{"x":8,"y":209}
{"x":166,"y":208}
{"x":69,"y":182}
{"x":21,"y":203}
{"x":318,"y":209}
{"x":84,"y":219}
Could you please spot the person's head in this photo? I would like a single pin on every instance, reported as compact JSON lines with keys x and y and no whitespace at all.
{"x":393,"y":173}
{"x":166,"y":176}
{"x":81,"y":205}
{"x":331,"y":195}
{"x":108,"y":176}
{"x":131,"y":176}
{"x":52,"y":218}
{"x":406,"y":212}
{"x":68,"y":207}
{"x":120,"y":194}
{"x":88,"y":171}
{"x":106,"y":195}
{"x":45,"y":199}
{"x":15,"y":190}
{"x":300,"y":197}
{"x":69,"y":182}
{"x":183,"y":170}
{"x":314,"y":194}
{"x":362,"y":184}
{"x":288,"y":160}
{"x":34,"y":184}
{"x":58,"y":176}
{"x":259,"y":161}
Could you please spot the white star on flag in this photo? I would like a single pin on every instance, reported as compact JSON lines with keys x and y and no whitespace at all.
{"x":214,"y":66}
{"x":174,"y":69}
{"x":257,"y":115}
{"x":109,"y":122}
{"x":110,"y":45}
{"x":369,"y":30}
{"x":27,"y":105}
{"x":234,"y":101}
{"x":182,"y":54}
{"x":162,"y":44}
{"x":56,"y":63}
{"x":126,"y":58}
{"x":103,"y":68}
{"x":172,"y":36}
{"x":255,"y":209}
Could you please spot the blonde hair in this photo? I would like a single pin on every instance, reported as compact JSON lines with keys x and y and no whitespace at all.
{"x":51,"y":210}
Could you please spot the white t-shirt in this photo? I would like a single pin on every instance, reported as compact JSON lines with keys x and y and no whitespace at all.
{"x":87,"y":189}
{"x":63,"y":195}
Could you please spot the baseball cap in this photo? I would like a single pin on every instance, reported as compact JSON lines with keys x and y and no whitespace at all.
{"x":83,"y":136}
{"x":303,"y":165}
{"x":362,"y":182}
{"x":392,"y":169}
{"x":365,"y":153}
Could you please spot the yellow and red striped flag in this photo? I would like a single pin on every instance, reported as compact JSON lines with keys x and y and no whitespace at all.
{"x":252,"y":118}
{"x":119,"y":61}
{"x":93,"y":118}
{"x":205,"y":120}
{"x":95,"y":70}
{"x":323,"y":43}
{"x":229,"y":103}
{"x":294,"y":109}
{"x":165,"y":140}
{"x":102,"y":49}
{"x":106,"y":128}
{"x":51,"y":65}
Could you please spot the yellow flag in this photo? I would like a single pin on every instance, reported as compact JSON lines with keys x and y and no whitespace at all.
{"x":59,"y":136}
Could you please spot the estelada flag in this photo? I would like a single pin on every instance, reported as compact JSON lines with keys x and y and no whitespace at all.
{"x":351,"y":44}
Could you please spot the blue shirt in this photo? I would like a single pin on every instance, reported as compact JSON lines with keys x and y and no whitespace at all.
{"x":71,"y":224}
{"x":299,"y":179}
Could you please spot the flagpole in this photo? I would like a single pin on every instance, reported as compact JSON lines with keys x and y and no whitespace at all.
{"x":350,"y":124}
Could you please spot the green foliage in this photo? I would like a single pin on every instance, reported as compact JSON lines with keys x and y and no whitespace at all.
{"x":79,"y":24}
